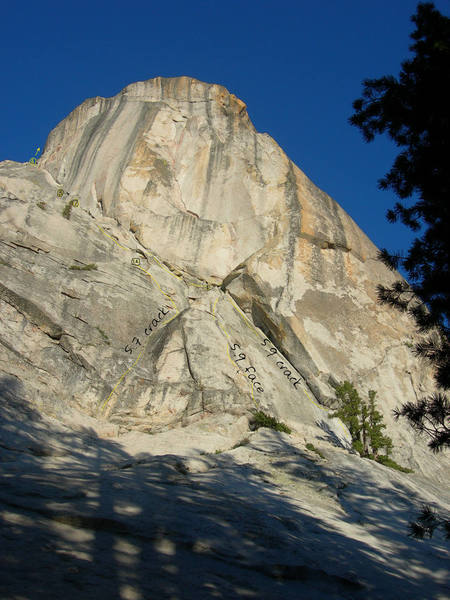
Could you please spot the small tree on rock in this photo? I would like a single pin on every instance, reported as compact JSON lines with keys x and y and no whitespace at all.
{"x":364,"y":429}
{"x":349,"y":410}
{"x":375,"y":426}
{"x":363,"y":420}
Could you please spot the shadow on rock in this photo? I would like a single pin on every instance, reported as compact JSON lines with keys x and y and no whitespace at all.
{"x":81,"y":518}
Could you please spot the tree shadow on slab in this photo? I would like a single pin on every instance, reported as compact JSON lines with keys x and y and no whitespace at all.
{"x":378,"y":505}
{"x":330,"y":435}
{"x":85,"y":519}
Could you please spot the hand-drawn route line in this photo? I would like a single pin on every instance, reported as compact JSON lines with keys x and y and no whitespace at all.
{"x":158,"y":262}
{"x":228,"y":347}
{"x":259,"y":334}
{"x":178,"y":277}
{"x":177,"y":312}
{"x":207,"y":286}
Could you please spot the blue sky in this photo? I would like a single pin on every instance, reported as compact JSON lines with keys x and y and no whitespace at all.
{"x":298,"y":65}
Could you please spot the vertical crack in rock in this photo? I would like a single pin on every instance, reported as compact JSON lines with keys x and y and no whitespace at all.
{"x":413,"y":386}
{"x":255,"y":148}
{"x":143,"y":122}
{"x":194,"y":405}
{"x":91,"y":141}
{"x":189,"y":95}
{"x":288,"y":344}
{"x":188,"y":361}
{"x":336,"y":237}
{"x":293,"y":208}
{"x":257,"y":162}
{"x":214,"y":163}
{"x":208,"y":108}
{"x":230,"y":119}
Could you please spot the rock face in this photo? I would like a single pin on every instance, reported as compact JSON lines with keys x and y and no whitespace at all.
{"x":165,"y":269}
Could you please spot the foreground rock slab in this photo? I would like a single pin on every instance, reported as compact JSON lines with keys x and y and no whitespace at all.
{"x":125,"y":517}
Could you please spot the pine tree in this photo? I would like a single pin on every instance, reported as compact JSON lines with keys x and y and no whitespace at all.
{"x":363,"y":420}
{"x":413,"y":109}
{"x":365,"y":424}
{"x":426,"y":524}
{"x":375,"y":427}
{"x":364,"y":428}
{"x":430,"y":416}
{"x":349,"y":410}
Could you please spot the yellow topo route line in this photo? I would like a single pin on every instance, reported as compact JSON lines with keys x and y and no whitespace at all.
{"x":124,"y":374}
{"x":111,"y":238}
{"x":207,"y":286}
{"x":228,"y":346}
{"x":258,"y":333}
{"x":122,"y":377}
